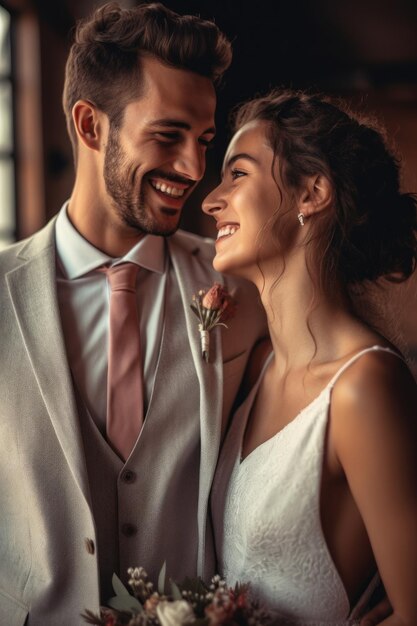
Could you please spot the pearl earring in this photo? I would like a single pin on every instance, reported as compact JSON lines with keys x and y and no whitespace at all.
{"x":301,"y":219}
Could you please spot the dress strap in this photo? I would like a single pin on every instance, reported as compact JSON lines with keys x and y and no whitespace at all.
{"x":357,"y":356}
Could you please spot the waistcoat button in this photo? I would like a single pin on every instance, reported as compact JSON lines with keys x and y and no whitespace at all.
{"x":89,"y":545}
{"x":128,"y":477}
{"x":129,"y":530}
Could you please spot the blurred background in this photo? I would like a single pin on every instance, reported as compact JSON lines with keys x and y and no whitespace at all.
{"x":364,"y":51}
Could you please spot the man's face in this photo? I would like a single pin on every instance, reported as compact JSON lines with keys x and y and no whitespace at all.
{"x":155,"y":159}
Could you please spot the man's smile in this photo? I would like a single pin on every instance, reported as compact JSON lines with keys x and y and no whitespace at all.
{"x":168,"y":188}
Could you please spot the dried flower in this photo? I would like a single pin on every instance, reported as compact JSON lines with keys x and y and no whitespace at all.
{"x":212,"y":308}
{"x":152,"y":603}
{"x":139,"y":583}
{"x":222,"y":608}
{"x":176,"y":613}
{"x":217,"y":298}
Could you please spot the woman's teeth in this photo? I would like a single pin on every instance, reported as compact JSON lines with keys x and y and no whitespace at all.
{"x":168,"y":190}
{"x":226,"y":231}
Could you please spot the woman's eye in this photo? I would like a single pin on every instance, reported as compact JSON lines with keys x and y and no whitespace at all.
{"x":237,"y":174}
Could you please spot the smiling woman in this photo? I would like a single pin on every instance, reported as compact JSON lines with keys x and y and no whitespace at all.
{"x":254,"y":199}
{"x":309,"y":205}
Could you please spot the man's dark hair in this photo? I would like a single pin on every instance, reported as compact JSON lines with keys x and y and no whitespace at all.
{"x":104,"y":61}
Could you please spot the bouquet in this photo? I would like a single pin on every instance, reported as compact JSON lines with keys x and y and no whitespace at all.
{"x":192,"y":603}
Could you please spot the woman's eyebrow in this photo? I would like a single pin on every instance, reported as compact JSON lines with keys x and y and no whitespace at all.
{"x":236,"y":157}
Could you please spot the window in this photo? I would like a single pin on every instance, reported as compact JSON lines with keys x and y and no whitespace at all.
{"x":7,"y":152}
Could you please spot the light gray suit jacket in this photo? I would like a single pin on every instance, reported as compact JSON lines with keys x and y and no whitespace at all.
{"x":48,"y":571}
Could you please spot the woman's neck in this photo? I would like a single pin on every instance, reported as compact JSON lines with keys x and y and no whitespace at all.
{"x":306,"y":323}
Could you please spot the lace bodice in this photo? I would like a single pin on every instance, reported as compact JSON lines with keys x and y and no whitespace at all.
{"x":266,"y":515}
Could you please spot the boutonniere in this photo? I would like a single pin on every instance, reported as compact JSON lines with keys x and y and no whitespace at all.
{"x":213,"y":308}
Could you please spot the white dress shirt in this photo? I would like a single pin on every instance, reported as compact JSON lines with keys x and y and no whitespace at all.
{"x":83,"y":296}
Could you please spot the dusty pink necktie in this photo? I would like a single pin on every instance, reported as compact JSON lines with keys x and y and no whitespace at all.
{"x":124,"y":378}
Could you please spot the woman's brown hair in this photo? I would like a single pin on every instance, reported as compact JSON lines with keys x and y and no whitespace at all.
{"x":371,"y":231}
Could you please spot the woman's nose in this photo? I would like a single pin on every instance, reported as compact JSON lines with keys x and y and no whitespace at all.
{"x":214,"y":202}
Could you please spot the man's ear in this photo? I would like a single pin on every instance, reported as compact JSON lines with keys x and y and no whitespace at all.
{"x":316,"y":195}
{"x":88,"y":125}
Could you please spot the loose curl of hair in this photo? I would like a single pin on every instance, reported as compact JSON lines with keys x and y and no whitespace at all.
{"x":103,"y":65}
{"x":371,"y":230}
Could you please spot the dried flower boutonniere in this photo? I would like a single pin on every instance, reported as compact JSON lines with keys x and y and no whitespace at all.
{"x":213,"y":308}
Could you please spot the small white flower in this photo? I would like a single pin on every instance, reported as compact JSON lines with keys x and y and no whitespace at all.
{"x":176,"y":613}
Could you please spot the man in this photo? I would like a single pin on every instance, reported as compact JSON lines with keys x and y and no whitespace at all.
{"x":86,"y":488}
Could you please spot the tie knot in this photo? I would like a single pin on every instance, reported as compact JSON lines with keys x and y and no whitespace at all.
{"x":123,"y":277}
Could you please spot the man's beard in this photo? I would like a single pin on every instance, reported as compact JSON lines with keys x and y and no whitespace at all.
{"x":129,"y":204}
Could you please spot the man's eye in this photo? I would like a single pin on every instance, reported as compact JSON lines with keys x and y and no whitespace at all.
{"x":168,"y":137}
{"x":207,"y":143}
{"x":237,"y":174}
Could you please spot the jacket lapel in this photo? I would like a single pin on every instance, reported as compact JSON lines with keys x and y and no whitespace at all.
{"x":194,"y":273}
{"x":32,"y":289}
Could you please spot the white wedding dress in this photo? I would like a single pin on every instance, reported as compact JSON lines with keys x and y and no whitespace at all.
{"x":266,"y":516}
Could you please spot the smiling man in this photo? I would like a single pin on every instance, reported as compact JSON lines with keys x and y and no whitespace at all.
{"x":148,"y":164}
{"x":110,"y":419}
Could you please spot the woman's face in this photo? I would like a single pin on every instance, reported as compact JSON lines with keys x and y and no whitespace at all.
{"x":245,"y":203}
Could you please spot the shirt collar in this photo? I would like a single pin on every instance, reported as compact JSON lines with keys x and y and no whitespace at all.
{"x":78,"y":256}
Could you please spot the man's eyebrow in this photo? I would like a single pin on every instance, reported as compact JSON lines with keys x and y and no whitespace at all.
{"x":236,"y":157}
{"x":170,"y":123}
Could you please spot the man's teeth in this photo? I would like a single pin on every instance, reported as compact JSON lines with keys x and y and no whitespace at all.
{"x":169,"y":190}
{"x":227,"y":230}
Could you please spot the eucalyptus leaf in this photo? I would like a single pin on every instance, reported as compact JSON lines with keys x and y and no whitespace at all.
{"x":125,"y":603}
{"x":161,"y":578}
{"x":118,"y":587}
{"x":123,"y":600}
{"x":176,"y":593}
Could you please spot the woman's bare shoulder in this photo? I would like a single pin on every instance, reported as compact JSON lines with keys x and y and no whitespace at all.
{"x":376,"y":394}
{"x":376,"y":376}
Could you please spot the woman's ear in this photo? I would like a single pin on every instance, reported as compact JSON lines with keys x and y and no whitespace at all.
{"x":87,"y":123}
{"x":316,"y":195}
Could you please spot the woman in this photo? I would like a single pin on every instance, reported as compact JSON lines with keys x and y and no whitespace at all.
{"x":316,"y":488}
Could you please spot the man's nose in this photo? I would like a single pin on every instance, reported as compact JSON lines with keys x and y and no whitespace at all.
{"x":191,"y":161}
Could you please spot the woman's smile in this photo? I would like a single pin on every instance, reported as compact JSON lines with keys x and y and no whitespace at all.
{"x":225,"y":231}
